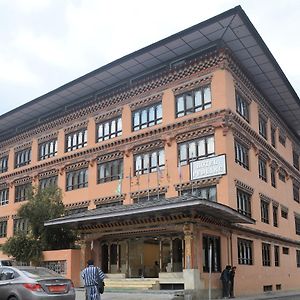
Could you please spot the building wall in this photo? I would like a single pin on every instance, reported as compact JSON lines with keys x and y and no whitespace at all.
{"x":220,"y":120}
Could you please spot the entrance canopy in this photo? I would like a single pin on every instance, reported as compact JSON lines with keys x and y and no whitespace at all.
{"x":184,"y":207}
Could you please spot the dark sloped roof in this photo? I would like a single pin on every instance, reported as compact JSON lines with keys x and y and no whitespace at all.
{"x":161,"y":206}
{"x":231,"y":29}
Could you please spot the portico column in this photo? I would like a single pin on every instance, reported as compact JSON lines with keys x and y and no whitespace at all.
{"x":85,"y":253}
{"x":188,"y":230}
{"x":161,"y":256}
{"x":127,"y":259}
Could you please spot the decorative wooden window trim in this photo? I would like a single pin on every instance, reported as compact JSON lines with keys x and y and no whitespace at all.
{"x":23,"y":146}
{"x":47,"y":174}
{"x":197,"y":183}
{"x":159,"y":144}
{"x":244,"y":187}
{"x":191,"y":85}
{"x":152,"y":192}
{"x":76,"y":127}
{"x":192,"y":135}
{"x":81,"y":204}
{"x":50,"y":136}
{"x":4,"y":218}
{"x":110,"y":199}
{"x":147,"y":101}
{"x":21,"y":181}
{"x":108,"y":115}
{"x":266,"y":198}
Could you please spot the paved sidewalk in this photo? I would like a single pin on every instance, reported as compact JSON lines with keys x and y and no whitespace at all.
{"x":170,"y":295}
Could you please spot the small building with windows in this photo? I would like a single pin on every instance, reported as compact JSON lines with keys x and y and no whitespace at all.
{"x":174,"y":161}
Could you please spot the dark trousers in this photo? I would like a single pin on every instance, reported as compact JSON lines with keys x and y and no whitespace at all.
{"x":226,"y":288}
{"x":231,"y":294}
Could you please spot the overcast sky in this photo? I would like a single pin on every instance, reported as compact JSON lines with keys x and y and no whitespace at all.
{"x":47,"y":43}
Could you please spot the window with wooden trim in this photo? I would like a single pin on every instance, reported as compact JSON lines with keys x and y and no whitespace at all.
{"x":49,"y":181}
{"x":76,"y":179}
{"x":262,"y":169}
{"x":273,"y":176}
{"x":21,"y":226}
{"x":298,"y":258}
{"x":196,"y":149}
{"x":284,"y":213}
{"x":281,"y":175}
{"x":241,"y":155}
{"x":273,"y":136}
{"x":109,"y":171}
{"x":48,"y":149}
{"x":262,"y":126}
{"x":295,"y":159}
{"x":242,"y":106}
{"x":297,"y":225}
{"x":21,"y":192}
{"x":23,"y":158}
{"x":282,"y":138}
{"x":109,"y":129}
{"x":275,"y":215}
{"x":207,"y":193}
{"x":213,"y":243}
{"x":276,"y":256}
{"x":4,"y":195}
{"x":266,"y":255}
{"x":285,"y":250}
{"x":264,"y":210}
{"x":147,"y":117}
{"x":4,"y":164}
{"x":149,"y":162}
{"x":193,"y":101}
{"x":245,"y":249}
{"x":3,"y":229}
{"x":76,"y":140}
{"x":296,"y":192}
{"x":243,"y":202}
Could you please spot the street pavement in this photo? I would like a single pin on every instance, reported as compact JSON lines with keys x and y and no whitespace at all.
{"x":170,"y":295}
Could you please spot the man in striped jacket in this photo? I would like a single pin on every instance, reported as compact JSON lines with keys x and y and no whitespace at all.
{"x":92,"y":276}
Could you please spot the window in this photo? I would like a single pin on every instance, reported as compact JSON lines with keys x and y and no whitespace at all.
{"x":275,"y":215}
{"x":109,"y":171}
{"x":4,"y":194}
{"x":281,"y":175}
{"x":21,"y":192}
{"x":241,"y":155}
{"x":282,"y":138}
{"x":276,"y":256}
{"x":285,"y":250}
{"x":196,"y":149}
{"x":3,"y":164}
{"x":262,"y":169}
{"x":208,"y":193}
{"x":297,"y":225}
{"x":49,"y":181}
{"x":213,"y":242}
{"x":3,"y":229}
{"x":193,"y":101}
{"x":149,"y":162}
{"x":296,"y":192}
{"x":296,"y":160}
{"x":109,"y":129}
{"x":21,"y":226}
{"x":273,"y":176}
{"x":266,"y":254}
{"x":244,"y":203}
{"x":284,"y":213}
{"x":242,"y":107}
{"x":262,"y":127}
{"x":264,"y":208}
{"x":147,"y":117}
{"x":268,"y":288}
{"x":23,"y":158}
{"x":273,"y":136}
{"x":47,"y":149}
{"x":140,"y":199}
{"x":298,"y":258}
{"x":76,"y":140}
{"x":245,"y":252}
{"x":77,"y":179}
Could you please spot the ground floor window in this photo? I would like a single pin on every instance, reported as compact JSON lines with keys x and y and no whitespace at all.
{"x":266,"y":254}
{"x":212,"y":242}
{"x":245,"y":252}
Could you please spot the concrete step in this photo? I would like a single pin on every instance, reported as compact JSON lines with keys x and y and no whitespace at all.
{"x":129,"y":283}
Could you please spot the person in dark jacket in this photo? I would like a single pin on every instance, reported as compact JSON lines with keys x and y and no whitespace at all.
{"x":225,"y":278}
{"x":231,"y":278}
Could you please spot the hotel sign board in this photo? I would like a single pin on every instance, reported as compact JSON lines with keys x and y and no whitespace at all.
{"x":208,"y":167}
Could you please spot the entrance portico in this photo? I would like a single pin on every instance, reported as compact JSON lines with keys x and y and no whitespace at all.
{"x":158,"y":239}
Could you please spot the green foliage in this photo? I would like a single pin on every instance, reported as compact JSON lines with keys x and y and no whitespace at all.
{"x":23,"y":248}
{"x":42,"y":205}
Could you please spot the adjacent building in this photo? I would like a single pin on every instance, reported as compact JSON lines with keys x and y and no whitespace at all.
{"x":174,"y":161}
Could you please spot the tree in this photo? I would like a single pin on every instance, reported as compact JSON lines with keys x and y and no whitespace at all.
{"x":42,"y":205}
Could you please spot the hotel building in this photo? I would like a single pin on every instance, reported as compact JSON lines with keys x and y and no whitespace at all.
{"x":174,"y":161}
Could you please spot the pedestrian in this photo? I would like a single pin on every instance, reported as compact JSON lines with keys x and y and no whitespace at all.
{"x":231,"y":278}
{"x":225,"y":278}
{"x":92,"y":276}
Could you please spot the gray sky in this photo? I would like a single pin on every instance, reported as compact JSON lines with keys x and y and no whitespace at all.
{"x":47,"y":43}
